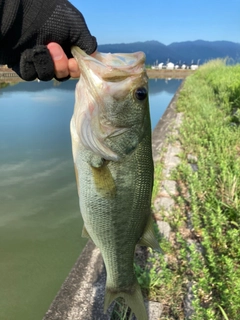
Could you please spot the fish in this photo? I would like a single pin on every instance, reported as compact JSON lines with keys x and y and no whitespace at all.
{"x":112,"y":155}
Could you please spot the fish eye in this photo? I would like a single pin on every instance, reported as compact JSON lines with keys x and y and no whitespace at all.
{"x":141,"y":93}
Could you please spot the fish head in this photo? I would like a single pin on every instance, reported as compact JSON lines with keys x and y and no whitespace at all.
{"x":111,"y":110}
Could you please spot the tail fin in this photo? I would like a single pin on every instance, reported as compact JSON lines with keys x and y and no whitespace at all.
{"x":133,"y":299}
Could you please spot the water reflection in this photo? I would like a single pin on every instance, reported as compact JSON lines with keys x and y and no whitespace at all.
{"x":40,"y":223}
{"x":161,"y":93}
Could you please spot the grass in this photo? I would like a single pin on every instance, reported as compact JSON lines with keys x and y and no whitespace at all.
{"x":3,"y":85}
{"x":210,"y":101}
{"x":204,"y":246}
{"x":211,"y":133}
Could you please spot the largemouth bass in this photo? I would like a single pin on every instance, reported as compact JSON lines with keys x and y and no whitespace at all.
{"x":111,"y":144}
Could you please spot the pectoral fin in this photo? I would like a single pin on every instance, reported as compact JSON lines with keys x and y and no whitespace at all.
{"x":148,"y":238}
{"x":104,"y":182}
{"x":75,"y":140}
{"x":77,"y":180}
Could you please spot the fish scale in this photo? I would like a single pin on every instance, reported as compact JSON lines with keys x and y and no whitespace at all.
{"x":114,"y":167}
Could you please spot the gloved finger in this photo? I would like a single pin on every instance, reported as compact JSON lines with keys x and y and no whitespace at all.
{"x":25,"y":69}
{"x":35,"y":63}
{"x":43,"y":63}
{"x":62,"y":79}
{"x":78,"y":32}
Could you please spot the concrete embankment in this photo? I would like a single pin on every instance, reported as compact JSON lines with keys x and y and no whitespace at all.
{"x":82,"y":294}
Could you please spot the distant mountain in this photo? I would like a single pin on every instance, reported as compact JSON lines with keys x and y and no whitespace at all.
{"x":185,"y":51}
{"x":154,"y":50}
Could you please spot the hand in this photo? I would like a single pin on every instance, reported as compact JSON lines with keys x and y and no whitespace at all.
{"x":56,"y":21}
{"x":63,"y":67}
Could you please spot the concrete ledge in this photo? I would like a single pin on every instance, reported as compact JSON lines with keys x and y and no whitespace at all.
{"x":81,"y":296}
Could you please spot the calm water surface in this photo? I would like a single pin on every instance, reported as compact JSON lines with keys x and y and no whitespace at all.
{"x":40,"y":222}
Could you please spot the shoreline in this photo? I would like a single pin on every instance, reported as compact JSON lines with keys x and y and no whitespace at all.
{"x":169,"y":74}
{"x":9,"y":76}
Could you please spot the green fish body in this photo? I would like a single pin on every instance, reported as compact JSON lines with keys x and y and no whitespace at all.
{"x":111,"y":143}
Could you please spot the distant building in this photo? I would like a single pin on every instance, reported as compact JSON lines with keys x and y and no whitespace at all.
{"x":170,"y":66}
{"x":184,"y":66}
{"x":194,"y":67}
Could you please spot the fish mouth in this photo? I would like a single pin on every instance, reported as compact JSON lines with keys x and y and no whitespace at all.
{"x":110,"y":67}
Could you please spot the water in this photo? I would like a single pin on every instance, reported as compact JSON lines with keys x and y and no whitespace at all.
{"x":40,"y":223}
{"x":161,"y":93}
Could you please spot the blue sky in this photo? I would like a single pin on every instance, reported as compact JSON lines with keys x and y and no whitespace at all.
{"x":165,"y":21}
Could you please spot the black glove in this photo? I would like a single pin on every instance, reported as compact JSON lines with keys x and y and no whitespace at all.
{"x":27,"y":26}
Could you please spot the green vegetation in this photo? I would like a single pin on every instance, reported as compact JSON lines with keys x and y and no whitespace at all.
{"x":210,"y":101}
{"x":3,"y":84}
{"x":204,"y":246}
